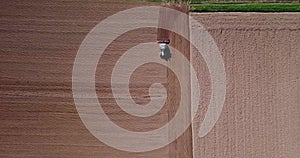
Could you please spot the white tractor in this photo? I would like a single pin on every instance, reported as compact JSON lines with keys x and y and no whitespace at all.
{"x":165,"y":51}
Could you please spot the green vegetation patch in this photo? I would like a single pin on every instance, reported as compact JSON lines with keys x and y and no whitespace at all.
{"x":246,"y":8}
{"x":243,"y":1}
{"x":226,"y":1}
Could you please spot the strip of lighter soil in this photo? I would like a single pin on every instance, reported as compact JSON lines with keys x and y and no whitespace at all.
{"x":260,"y":117}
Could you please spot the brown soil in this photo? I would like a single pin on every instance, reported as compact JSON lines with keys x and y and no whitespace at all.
{"x":260,"y":117}
{"x":39,"y":42}
{"x":38,"y":118}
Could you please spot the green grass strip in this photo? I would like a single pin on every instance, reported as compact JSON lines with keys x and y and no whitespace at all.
{"x":224,"y":1}
{"x":246,"y":8}
{"x":243,"y":1}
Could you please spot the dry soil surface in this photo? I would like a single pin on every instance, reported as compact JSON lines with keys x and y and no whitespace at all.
{"x":38,"y":118}
{"x":261,"y":114}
